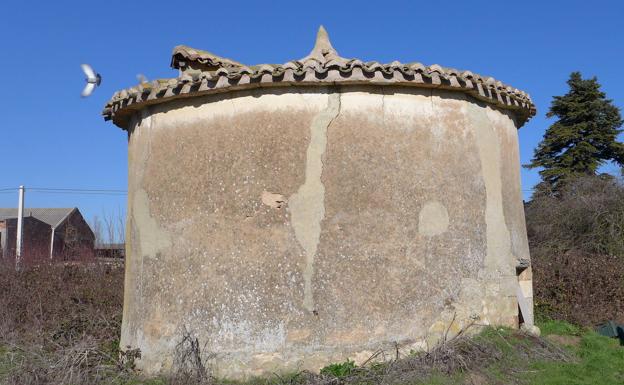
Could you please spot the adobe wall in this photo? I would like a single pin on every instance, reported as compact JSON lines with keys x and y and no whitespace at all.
{"x":35,"y":241}
{"x":290,"y":228}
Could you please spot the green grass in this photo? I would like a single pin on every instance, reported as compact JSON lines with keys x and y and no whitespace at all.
{"x":5,"y":366}
{"x":562,"y":328}
{"x":443,"y":379}
{"x":600,"y":359}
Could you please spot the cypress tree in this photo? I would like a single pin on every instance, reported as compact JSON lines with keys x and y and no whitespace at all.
{"x":582,"y":139}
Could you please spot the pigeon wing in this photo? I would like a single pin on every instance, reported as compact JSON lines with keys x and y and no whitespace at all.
{"x":88,"y":71}
{"x":88,"y":90}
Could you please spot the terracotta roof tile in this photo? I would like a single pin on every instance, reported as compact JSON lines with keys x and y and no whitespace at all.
{"x":203,"y":73}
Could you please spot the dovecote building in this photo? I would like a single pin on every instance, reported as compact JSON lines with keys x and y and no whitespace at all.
{"x":294,"y":215}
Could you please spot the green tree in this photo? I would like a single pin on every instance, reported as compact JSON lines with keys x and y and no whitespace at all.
{"x":582,"y":139}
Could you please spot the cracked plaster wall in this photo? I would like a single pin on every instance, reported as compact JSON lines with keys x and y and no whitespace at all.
{"x":290,"y":228}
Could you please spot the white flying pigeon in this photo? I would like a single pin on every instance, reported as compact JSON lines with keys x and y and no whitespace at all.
{"x":142,"y":79}
{"x":93,"y":80}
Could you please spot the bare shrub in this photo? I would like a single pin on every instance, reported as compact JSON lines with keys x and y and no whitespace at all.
{"x":60,"y":323}
{"x":83,"y":363}
{"x":190,"y":362}
{"x":584,"y":289}
{"x":577,"y":247}
{"x":59,"y":304}
{"x":586,"y":216}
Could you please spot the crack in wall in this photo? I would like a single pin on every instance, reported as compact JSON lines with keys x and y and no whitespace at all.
{"x":383,"y":107}
{"x":307,"y":205}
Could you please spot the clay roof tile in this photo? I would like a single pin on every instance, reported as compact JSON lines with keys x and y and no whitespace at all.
{"x":216,"y":73}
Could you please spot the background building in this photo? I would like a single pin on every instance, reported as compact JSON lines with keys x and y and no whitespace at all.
{"x":48,"y":233}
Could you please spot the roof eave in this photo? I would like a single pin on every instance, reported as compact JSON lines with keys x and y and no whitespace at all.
{"x":226,"y":75}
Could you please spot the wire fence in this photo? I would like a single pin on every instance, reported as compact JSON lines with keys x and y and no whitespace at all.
{"x":79,"y":191}
{"x":47,"y":190}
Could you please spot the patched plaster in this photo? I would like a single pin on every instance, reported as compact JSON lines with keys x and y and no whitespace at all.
{"x":433,"y":219}
{"x":307,"y":206}
{"x":152,"y":239}
{"x":498,"y":237}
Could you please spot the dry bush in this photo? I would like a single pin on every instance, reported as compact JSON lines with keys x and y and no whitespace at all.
{"x":60,"y":323}
{"x":577,"y":247}
{"x":584,"y":289}
{"x":586,"y":216}
{"x":59,"y":304}
{"x":83,"y":363}
{"x":190,"y":362}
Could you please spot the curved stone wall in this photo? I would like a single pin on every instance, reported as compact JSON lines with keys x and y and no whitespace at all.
{"x":287,"y":228}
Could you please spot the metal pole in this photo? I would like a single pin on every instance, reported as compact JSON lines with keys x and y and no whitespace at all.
{"x":52,"y":244}
{"x":20,"y":225}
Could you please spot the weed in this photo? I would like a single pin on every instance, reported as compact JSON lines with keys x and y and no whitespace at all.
{"x":339,"y":370}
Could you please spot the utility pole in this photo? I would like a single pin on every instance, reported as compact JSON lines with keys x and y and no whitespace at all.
{"x":20,"y":226}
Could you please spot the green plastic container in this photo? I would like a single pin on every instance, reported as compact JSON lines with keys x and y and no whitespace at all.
{"x":612,"y":330}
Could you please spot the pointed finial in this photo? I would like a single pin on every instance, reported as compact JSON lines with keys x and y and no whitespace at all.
{"x":323,"y":50}
{"x":322,"y":44}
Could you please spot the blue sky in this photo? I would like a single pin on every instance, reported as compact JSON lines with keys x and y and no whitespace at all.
{"x":52,"y":138}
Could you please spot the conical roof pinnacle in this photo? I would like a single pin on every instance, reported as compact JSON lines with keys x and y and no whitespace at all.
{"x":323,"y":50}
